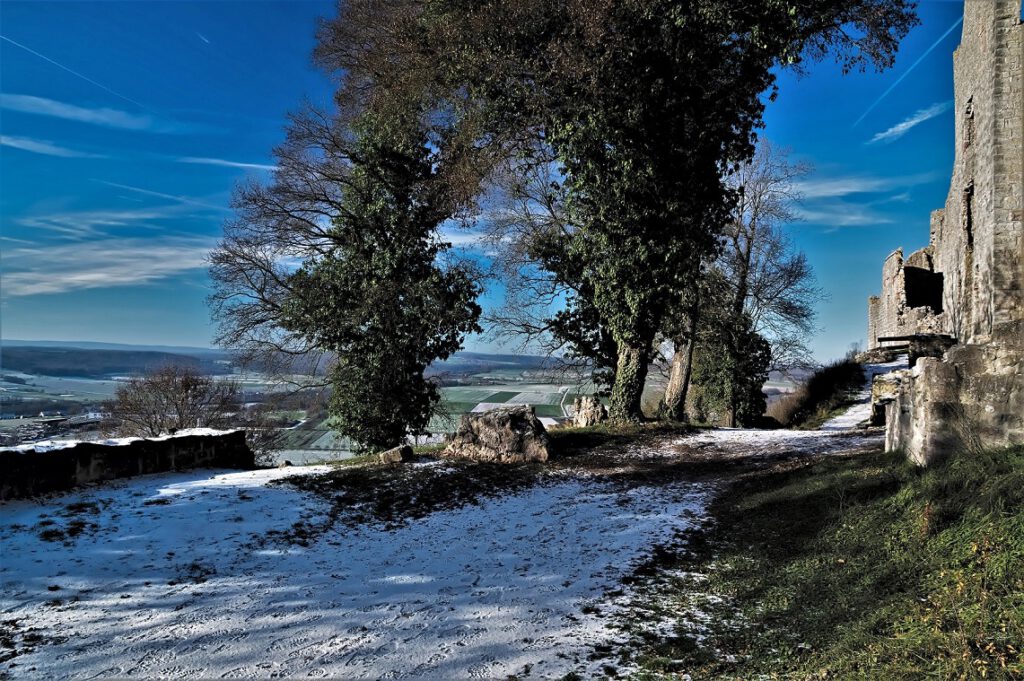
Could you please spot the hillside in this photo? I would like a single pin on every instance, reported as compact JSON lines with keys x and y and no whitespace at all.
{"x":89,"y":359}
{"x":87,"y":363}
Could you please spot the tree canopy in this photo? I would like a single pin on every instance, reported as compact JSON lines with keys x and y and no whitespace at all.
{"x":641,"y":110}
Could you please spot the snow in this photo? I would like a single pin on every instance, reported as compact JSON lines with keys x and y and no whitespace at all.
{"x":861,"y":411}
{"x":181,"y":574}
{"x":51,"y":445}
{"x":179,"y":579}
{"x":731,"y":443}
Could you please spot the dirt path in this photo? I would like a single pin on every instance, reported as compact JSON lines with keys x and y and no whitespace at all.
{"x":201,"y":575}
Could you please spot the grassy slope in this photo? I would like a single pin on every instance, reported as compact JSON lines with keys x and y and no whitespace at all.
{"x":826,"y":393}
{"x":857,"y":567}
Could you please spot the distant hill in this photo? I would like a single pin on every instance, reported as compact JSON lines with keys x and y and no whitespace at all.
{"x":90,"y":359}
{"x":468,"y":363}
{"x":94,"y":363}
{"x":94,"y":345}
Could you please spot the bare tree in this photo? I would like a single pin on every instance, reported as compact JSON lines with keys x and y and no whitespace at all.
{"x":276,"y":228}
{"x":546,"y":308}
{"x":171,"y":399}
{"x":772,"y":281}
{"x":763,"y":276}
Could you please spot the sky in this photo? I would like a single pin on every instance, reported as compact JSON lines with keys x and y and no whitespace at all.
{"x":124,"y":127}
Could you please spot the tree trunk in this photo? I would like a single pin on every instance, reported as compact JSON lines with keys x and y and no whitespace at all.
{"x":630,"y":376}
{"x":674,"y":401}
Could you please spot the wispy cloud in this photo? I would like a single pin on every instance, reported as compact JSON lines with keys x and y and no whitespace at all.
{"x":111,"y":118}
{"x":843,"y":215}
{"x":103,"y":264}
{"x":466,"y":240}
{"x":45,"y":147}
{"x":855,"y":200}
{"x":93,"y":224}
{"x":224,"y":162}
{"x":917,"y":118}
{"x":102,"y":116}
{"x":837,"y":187}
{"x":187,"y":200}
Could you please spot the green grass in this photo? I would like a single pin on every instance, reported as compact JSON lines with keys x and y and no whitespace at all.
{"x":853,"y":568}
{"x":501,"y":397}
{"x":432,"y":449}
{"x":474,"y":394}
{"x":570,"y":440}
{"x":551,"y":410}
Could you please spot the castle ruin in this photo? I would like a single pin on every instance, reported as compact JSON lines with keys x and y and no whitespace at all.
{"x":958,"y":303}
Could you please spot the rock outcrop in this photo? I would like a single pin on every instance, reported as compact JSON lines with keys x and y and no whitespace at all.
{"x":958,"y":304}
{"x":588,"y":411}
{"x":400,"y":454}
{"x":505,"y":435}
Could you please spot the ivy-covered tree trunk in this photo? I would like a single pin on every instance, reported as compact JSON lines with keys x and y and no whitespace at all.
{"x":630,"y":376}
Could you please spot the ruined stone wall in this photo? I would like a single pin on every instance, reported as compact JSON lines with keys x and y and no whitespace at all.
{"x":25,"y":472}
{"x":974,"y":396}
{"x":1007,"y":303}
{"x":901,"y":310}
{"x":977,"y":237}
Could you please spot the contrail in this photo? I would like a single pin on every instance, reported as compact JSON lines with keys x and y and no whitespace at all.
{"x":172,"y":197}
{"x":907,"y":72}
{"x":74,"y":73}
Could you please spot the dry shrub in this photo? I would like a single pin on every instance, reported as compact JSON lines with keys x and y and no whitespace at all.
{"x":827,"y":389}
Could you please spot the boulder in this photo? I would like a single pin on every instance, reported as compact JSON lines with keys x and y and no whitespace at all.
{"x":588,"y":411}
{"x":505,"y":435}
{"x":402,"y":454}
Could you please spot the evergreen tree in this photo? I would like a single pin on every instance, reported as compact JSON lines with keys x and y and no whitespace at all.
{"x":381,"y":299}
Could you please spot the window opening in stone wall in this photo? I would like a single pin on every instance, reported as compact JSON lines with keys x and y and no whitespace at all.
{"x":923,"y":288}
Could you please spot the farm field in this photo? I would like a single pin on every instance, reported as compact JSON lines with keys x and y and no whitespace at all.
{"x":314,"y":441}
{"x":41,"y":387}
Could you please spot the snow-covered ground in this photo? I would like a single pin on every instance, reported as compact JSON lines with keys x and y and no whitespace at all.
{"x":172,"y":577}
{"x":181,"y":574}
{"x":861,"y":411}
{"x":837,"y":434}
{"x":747,"y":442}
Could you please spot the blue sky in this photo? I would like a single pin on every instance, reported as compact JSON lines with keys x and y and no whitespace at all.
{"x":126,"y":125}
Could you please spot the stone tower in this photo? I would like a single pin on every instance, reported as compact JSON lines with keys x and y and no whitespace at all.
{"x":963,"y":295}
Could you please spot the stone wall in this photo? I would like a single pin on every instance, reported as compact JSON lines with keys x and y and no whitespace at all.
{"x":911,"y":300}
{"x":973,"y":396}
{"x":26,"y":472}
